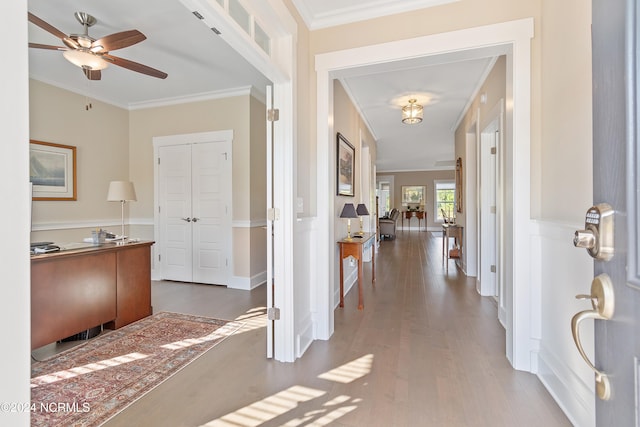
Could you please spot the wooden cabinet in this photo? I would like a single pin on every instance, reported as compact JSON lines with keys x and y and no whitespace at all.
{"x":72,"y":291}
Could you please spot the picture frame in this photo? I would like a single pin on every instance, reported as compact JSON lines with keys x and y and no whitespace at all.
{"x":52,"y":171}
{"x":413,"y":195}
{"x":345,"y":166}
{"x":459,"y":184}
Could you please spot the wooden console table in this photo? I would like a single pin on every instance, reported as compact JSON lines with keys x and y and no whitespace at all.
{"x":354,"y":248}
{"x":451,"y":231}
{"x":76,"y":290}
{"x":418,"y":214}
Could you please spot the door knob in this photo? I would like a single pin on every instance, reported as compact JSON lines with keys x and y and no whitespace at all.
{"x":186,"y":219}
{"x":603,"y":303}
{"x":195,"y":219}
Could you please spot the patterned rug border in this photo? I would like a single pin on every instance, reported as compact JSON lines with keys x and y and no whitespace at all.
{"x":137,"y":393}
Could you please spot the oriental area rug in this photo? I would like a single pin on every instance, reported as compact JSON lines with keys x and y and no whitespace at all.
{"x":90,"y":383}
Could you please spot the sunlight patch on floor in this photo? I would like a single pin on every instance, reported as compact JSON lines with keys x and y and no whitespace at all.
{"x":222,"y":332}
{"x":268,"y":408}
{"x":86,"y":369}
{"x":280,"y":403}
{"x":351,"y":371}
{"x":255,"y":318}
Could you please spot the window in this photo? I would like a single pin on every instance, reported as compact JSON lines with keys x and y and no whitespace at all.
{"x":445,"y":196}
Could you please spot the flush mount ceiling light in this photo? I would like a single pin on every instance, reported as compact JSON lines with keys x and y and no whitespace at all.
{"x":412,"y":113}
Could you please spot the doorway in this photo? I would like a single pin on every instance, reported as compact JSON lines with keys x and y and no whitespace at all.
{"x":514,"y":38}
{"x":192,"y":213}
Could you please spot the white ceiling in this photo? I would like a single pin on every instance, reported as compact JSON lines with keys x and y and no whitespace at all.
{"x":201,"y":65}
{"x":199,"y":62}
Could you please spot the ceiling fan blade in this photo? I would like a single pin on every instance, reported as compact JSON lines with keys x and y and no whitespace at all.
{"x":92,"y":74}
{"x":47,"y":46}
{"x":52,"y":30}
{"x":118,"y":40}
{"x":134,"y":66}
{"x":46,"y":26}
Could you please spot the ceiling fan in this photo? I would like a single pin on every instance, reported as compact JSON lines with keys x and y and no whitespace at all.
{"x":93,"y":55}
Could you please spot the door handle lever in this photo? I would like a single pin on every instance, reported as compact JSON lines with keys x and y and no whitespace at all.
{"x":186,"y":219}
{"x":602,"y":300}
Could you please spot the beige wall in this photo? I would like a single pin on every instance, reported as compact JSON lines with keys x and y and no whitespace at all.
{"x":425,"y":178}
{"x":565,"y":107}
{"x":204,"y":116}
{"x":101,"y":140}
{"x":246,"y":117}
{"x":494,"y":88}
{"x":116,"y":144}
{"x":560,"y":84}
{"x":348,"y":122}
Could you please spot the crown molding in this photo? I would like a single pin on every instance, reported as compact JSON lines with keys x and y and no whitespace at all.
{"x":362,"y":12}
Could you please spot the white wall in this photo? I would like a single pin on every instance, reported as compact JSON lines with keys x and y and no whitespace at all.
{"x":15,"y":325}
{"x":559,"y":273}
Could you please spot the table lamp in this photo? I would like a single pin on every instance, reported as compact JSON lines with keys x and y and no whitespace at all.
{"x":121,"y":191}
{"x":348,"y":211}
{"x":361,"y":210}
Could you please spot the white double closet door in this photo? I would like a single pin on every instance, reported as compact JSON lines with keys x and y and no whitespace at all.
{"x":194,"y":189}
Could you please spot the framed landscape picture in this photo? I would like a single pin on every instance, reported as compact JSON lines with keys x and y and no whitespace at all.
{"x":52,"y":171}
{"x":346,"y":161}
{"x":413,"y":195}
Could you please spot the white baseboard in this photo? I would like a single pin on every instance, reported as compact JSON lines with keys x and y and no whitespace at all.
{"x":305,"y":337}
{"x":247,"y":283}
{"x":569,"y":391}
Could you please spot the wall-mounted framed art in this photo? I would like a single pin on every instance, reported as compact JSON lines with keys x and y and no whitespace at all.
{"x":414,"y":196}
{"x":52,"y":171}
{"x":346,"y":163}
{"x":459,"y":184}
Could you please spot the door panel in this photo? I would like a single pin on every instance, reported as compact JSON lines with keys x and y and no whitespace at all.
{"x":211,"y":192}
{"x":175,"y":192}
{"x":270,"y":227}
{"x":487,"y":276}
{"x":195,"y":214}
{"x":614,"y":144}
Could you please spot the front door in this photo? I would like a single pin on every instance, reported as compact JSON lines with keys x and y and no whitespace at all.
{"x":615,"y":182}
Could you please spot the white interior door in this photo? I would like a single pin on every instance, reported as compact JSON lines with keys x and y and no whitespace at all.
{"x":487,"y":277}
{"x":194,"y":211}
{"x":174,"y":188}
{"x":271,"y":217}
{"x":211,"y":220}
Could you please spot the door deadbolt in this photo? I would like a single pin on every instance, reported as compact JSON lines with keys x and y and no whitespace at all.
{"x":597,"y":236}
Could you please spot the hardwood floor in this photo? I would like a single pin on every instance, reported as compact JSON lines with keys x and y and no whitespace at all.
{"x":426,"y":350}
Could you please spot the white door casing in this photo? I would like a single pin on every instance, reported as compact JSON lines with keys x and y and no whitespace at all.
{"x":276,"y":20}
{"x":515,"y":37}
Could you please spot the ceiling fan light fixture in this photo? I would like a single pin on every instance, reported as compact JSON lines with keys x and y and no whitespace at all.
{"x":85,"y":59}
{"x":412,"y":113}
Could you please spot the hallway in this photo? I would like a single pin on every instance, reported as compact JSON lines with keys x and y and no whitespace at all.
{"x":426,"y":350}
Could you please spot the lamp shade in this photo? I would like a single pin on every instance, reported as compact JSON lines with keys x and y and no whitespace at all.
{"x":120,"y":191}
{"x":362,"y":209}
{"x":348,"y":211}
